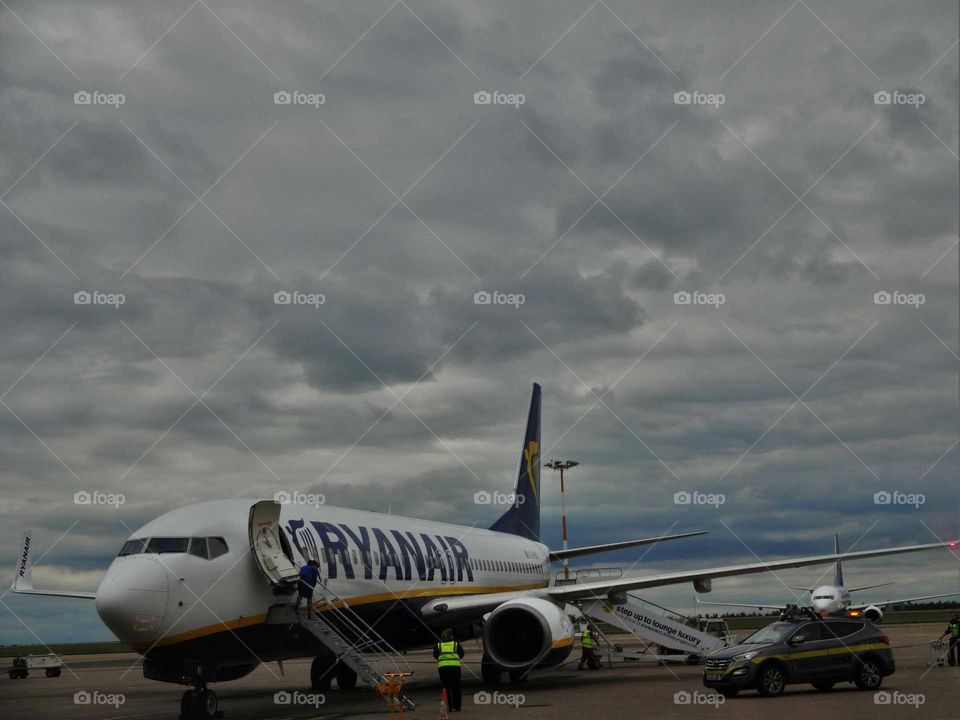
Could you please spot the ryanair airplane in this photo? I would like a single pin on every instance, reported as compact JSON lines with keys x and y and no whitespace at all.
{"x":207,"y":592}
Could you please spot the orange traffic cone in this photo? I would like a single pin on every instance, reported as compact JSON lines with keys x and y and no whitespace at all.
{"x":444,"y":705}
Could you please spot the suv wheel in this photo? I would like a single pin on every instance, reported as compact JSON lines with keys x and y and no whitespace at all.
{"x":772,"y":681}
{"x":868,"y":675}
{"x":824,"y":685}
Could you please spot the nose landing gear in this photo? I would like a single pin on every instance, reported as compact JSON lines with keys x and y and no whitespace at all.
{"x":199,"y":704}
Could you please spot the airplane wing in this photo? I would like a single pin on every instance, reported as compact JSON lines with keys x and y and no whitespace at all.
{"x":605,"y":588}
{"x":870,"y":587}
{"x":884,"y":603}
{"x":759,"y":606}
{"x":55,"y":593}
{"x":474,"y":604}
{"x":594,"y":549}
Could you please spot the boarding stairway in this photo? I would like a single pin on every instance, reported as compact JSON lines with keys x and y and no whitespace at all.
{"x":351,"y":640}
{"x":659,"y":628}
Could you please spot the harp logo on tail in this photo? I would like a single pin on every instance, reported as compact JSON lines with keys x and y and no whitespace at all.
{"x":533,"y":466}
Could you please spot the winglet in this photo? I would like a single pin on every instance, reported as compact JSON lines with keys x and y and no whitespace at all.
{"x":21,"y":578}
{"x":23,"y":584}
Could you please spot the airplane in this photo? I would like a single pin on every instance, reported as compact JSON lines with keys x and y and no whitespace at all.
{"x":835,"y":599}
{"x":205,"y":593}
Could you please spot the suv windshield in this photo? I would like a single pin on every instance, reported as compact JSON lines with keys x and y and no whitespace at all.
{"x":774,"y":633}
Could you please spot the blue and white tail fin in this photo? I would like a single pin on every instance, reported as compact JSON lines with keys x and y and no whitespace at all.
{"x":838,"y":571}
{"x":523,"y":517}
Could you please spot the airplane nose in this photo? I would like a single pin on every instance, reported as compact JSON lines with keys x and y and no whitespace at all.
{"x":132,"y":599}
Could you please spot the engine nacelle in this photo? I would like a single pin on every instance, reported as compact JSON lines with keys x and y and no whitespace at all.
{"x":703,"y":585}
{"x":873,"y":614}
{"x":527,"y":632}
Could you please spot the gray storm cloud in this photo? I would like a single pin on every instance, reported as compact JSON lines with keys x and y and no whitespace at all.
{"x":397,"y":199}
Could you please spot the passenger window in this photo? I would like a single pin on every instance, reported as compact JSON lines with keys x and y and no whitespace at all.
{"x":842,"y":629}
{"x":216,"y":546}
{"x":198,"y":547}
{"x":810,"y":632}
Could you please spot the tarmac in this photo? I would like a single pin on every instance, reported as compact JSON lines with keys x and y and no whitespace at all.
{"x":116,"y":689}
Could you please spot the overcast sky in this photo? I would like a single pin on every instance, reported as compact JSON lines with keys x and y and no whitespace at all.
{"x":786,"y":193}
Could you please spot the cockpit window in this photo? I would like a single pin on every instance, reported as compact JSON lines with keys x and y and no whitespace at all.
{"x":198,"y":547}
{"x":167,"y":545}
{"x":217,"y":547}
{"x":132,"y":547}
{"x":202,"y":547}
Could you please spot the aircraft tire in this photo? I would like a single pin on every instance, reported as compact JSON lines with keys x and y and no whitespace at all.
{"x":322,"y":673}
{"x":517,"y":676}
{"x":490,"y":672}
{"x":346,"y":677}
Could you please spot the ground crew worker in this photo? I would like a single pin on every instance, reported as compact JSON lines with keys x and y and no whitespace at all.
{"x":953,"y":630}
{"x":586,"y":645}
{"x":309,"y":574}
{"x":448,"y":653}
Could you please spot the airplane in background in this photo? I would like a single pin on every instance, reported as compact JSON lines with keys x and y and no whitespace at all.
{"x":207,"y":592}
{"x":835,"y":599}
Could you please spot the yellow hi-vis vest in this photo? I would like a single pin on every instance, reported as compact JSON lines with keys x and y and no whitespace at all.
{"x":586,"y":639}
{"x":448,"y":654}
{"x":954,"y":629}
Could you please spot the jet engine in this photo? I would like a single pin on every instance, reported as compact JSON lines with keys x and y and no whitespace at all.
{"x":527,"y":632}
{"x":873,"y":614}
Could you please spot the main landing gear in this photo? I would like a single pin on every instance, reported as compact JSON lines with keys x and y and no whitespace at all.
{"x":325,"y":668}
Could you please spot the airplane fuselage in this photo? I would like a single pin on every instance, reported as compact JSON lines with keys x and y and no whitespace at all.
{"x":167,"y":600}
{"x":830,"y":599}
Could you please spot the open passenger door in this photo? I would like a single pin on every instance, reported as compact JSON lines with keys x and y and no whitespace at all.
{"x":269,"y":545}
